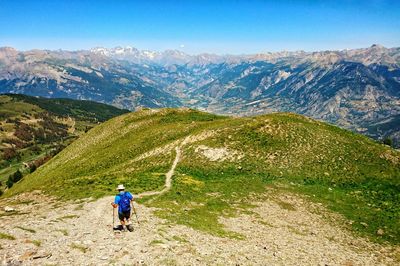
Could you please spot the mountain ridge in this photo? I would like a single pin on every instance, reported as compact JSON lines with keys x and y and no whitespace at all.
{"x":178,"y":57}
{"x":357,"y":89}
{"x":33,"y":129}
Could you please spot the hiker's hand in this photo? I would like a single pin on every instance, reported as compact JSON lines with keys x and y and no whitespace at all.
{"x":114,"y":205}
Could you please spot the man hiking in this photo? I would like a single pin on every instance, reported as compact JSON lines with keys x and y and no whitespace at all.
{"x":123,"y":200}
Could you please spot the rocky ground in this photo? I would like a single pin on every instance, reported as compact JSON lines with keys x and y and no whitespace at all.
{"x":282,"y":230}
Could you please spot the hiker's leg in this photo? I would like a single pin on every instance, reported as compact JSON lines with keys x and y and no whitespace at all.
{"x":128,"y":222}
{"x":126,"y":216}
{"x":121,"y":218}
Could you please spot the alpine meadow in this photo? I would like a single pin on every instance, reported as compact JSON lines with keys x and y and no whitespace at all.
{"x":230,"y":133}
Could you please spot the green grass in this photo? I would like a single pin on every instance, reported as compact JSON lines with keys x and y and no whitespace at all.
{"x":6,"y":236}
{"x":156,"y":242}
{"x":26,"y":109}
{"x":349,"y":173}
{"x":22,"y":202}
{"x":188,"y":204}
{"x":37,"y":243}
{"x":13,"y":213}
{"x":63,"y":231}
{"x":15,"y":165}
{"x":102,"y":170}
{"x":285,"y":205}
{"x":168,"y":262}
{"x":180,"y":239}
{"x":82,"y":248}
{"x":64,"y":107}
{"x":72,"y":216}
{"x":26,"y":229}
{"x":10,"y":108}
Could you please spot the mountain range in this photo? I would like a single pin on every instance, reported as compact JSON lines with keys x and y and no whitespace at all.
{"x":357,"y":89}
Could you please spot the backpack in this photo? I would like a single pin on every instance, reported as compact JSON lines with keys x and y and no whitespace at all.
{"x":125,"y":202}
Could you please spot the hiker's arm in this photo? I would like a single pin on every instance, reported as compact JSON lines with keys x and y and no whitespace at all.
{"x":116,"y":202}
{"x":131,"y":198}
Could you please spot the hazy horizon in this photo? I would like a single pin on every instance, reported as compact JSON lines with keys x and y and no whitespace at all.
{"x":194,"y":27}
{"x":191,"y":54}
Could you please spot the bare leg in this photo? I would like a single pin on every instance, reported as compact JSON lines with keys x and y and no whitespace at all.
{"x":123,"y":223}
{"x":129,"y":225}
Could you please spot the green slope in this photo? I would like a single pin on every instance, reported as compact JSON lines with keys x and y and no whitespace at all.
{"x":33,"y":129}
{"x":227,"y":161}
{"x":83,"y":110}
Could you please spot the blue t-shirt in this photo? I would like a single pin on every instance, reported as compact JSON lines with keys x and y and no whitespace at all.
{"x":118,"y":198}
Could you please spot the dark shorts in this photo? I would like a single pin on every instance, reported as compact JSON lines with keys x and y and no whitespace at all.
{"x":123,"y":215}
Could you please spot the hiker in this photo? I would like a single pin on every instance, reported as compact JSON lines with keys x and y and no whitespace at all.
{"x":123,"y":200}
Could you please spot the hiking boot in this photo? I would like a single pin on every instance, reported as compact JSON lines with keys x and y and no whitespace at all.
{"x":130,"y":227}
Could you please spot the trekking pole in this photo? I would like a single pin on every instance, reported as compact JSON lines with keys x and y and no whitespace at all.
{"x":133,"y":208}
{"x":113,"y":218}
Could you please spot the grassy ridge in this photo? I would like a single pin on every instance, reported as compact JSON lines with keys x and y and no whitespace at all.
{"x":82,"y":110}
{"x":102,"y":160}
{"x":33,"y":129}
{"x":236,"y":158}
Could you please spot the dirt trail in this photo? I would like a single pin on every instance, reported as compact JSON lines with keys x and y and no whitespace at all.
{"x":168,"y":175}
{"x":81,"y":233}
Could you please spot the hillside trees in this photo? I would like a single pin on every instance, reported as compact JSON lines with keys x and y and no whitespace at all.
{"x":9,"y":154}
{"x":388,"y":141}
{"x":14,"y":178}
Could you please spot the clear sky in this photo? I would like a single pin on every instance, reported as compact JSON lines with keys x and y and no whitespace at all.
{"x":193,"y":26}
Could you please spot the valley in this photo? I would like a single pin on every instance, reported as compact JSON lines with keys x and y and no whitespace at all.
{"x":355,"y":89}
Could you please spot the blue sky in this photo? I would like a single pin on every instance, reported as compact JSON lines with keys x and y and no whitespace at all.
{"x":200,"y":26}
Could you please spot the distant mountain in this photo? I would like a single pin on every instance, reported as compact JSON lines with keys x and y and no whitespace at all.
{"x":166,"y":58}
{"x":81,"y":75}
{"x":357,"y":89}
{"x":350,"y":94}
{"x":374,"y":54}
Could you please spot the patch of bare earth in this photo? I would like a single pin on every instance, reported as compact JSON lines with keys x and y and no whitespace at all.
{"x":282,"y":230}
{"x":218,"y":154}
